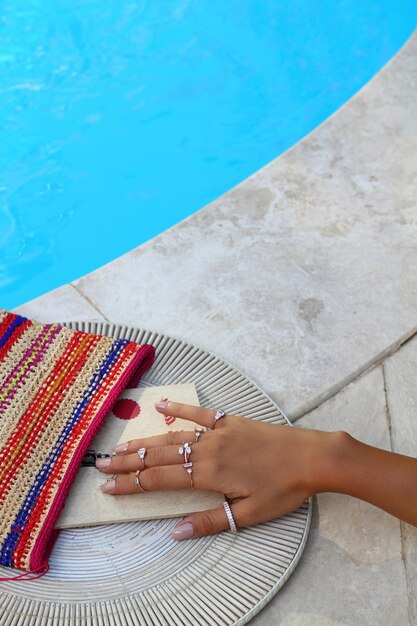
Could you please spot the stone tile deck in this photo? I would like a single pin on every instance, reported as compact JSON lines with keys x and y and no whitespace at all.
{"x":304,"y":276}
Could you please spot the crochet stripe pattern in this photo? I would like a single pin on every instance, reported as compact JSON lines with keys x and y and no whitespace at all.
{"x":56,"y":387}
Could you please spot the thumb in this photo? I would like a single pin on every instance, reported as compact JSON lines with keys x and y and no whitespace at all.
{"x":213,"y":521}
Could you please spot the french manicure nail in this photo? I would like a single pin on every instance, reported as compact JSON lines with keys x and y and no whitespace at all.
{"x":108,"y":486}
{"x":121,"y":447}
{"x":161,"y":405}
{"x":183,"y":531}
{"x":101,"y":463}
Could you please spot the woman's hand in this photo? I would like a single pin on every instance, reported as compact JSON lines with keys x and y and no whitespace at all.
{"x":265,"y":470}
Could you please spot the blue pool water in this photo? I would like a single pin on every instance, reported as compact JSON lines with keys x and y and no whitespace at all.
{"x":121,"y":118}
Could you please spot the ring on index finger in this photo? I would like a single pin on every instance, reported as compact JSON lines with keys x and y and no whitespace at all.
{"x":219,"y":414}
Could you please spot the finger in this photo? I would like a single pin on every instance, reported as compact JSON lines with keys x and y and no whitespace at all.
{"x":214,"y":521}
{"x":197,"y":414}
{"x":161,"y":455}
{"x":171,"y":437}
{"x":152,"y":479}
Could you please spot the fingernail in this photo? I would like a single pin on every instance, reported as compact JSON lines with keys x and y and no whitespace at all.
{"x":120,"y":447}
{"x":101,"y":463}
{"x":108,"y":486}
{"x":161,"y":405}
{"x":183,"y":531}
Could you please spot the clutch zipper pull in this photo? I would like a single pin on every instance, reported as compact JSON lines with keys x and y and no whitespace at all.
{"x":90,"y":457}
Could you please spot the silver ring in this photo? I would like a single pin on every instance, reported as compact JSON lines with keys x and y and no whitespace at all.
{"x":189,"y":469}
{"x":230,"y":517}
{"x":186,"y":451}
{"x":137,"y":480}
{"x":219,"y":415}
{"x":141,"y":454}
{"x":198,"y":433}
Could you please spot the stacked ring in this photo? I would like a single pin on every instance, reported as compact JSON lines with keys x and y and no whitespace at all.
{"x":186,"y":451}
{"x":219,"y":414}
{"x":230,"y":517}
{"x":198,"y":433}
{"x":137,"y":480}
{"x":141,"y":454}
{"x":189,"y":469}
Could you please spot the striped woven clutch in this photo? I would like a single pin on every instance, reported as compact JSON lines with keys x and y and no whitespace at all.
{"x":56,"y":387}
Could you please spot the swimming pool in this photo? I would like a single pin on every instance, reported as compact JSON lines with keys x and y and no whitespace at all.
{"x":119,"y":119}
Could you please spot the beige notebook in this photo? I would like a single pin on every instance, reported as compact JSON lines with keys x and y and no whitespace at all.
{"x":87,"y":505}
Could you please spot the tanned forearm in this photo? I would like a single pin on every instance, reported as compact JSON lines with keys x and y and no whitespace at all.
{"x":385,"y":479}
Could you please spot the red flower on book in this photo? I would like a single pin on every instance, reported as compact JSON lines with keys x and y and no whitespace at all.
{"x":126,"y":409}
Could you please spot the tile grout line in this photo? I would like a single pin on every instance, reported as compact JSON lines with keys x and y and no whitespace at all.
{"x":335,"y":390}
{"x":387,"y":411}
{"x":389,"y":421}
{"x":338,"y":387}
{"x":80,"y":293}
